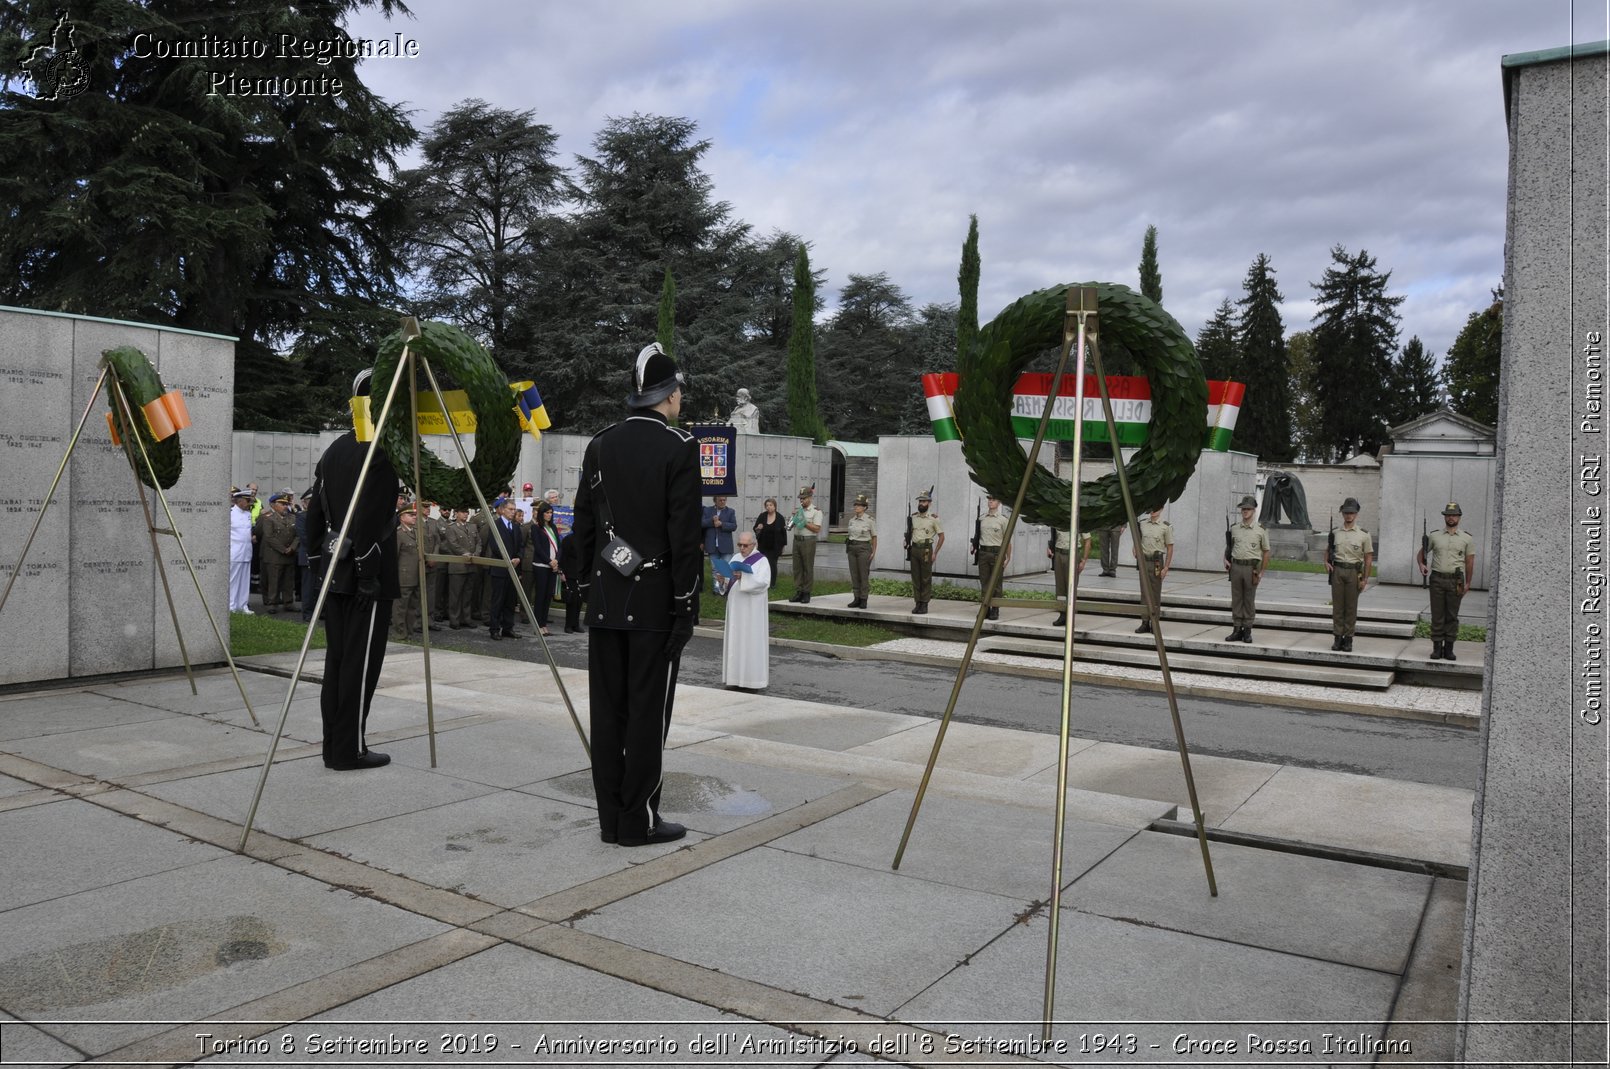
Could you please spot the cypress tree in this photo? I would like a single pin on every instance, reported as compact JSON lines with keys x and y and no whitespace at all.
{"x":1216,"y":346}
{"x":1355,"y":334}
{"x":1415,"y":389}
{"x":1151,"y":281}
{"x":967,"y":278}
{"x":804,"y":417}
{"x":666,"y":335}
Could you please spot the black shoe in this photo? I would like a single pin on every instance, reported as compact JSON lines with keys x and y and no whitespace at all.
{"x":454,"y":627}
{"x":435,"y":627}
{"x":572,"y":631}
{"x":607,"y":835}
{"x":1234,"y":635}
{"x":496,"y":636}
{"x":1061,"y":620}
{"x":1108,"y":575}
{"x":511,"y":633}
{"x":1336,"y":643}
{"x":367,"y":759}
{"x":1347,"y":644}
{"x":795,"y":596}
{"x":1145,"y":628}
{"x":1246,"y":634}
{"x":1436,"y":651}
{"x":993,"y":614}
{"x":664,"y":832}
{"x":919,"y":609}
{"x":804,"y":599}
{"x":1447,"y":651}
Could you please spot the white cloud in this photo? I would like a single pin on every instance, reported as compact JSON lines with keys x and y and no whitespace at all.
{"x":874,"y":128}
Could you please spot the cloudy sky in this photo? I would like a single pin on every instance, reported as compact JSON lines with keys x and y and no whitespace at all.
{"x":874,"y":127}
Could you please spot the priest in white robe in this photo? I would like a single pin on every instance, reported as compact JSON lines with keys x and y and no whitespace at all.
{"x":746,"y":645}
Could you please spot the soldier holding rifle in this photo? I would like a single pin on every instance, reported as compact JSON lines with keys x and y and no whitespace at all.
{"x":1347,"y":558}
{"x":1451,"y":562}
{"x":926,"y":537}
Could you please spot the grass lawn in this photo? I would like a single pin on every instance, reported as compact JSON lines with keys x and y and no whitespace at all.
{"x":258,"y":634}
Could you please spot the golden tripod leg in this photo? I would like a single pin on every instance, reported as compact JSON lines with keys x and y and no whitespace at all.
{"x":987,"y":595}
{"x":72,"y":443}
{"x":409,"y":333}
{"x":503,"y":552}
{"x":151,"y":529}
{"x":173,"y":526}
{"x":1153,"y":599}
{"x":1085,"y":311}
{"x":419,"y":554}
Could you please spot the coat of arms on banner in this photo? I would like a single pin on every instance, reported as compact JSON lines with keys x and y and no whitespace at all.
{"x":713,"y":460}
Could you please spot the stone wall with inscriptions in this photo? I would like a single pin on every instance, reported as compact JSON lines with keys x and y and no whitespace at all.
{"x":89,"y":599}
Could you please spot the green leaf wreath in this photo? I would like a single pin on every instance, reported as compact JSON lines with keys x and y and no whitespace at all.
{"x":497,"y":430}
{"x":141,"y":384}
{"x":1159,"y":469}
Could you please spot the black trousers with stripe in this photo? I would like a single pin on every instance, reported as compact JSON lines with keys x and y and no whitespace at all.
{"x":355,"y":631}
{"x":629,"y":679}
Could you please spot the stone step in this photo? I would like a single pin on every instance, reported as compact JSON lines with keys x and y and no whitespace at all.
{"x":1220,"y":664}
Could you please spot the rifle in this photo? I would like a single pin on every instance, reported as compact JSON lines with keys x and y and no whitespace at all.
{"x":1229,"y":543}
{"x":1425,"y":553}
{"x":908,"y":536}
{"x":978,"y":528}
{"x":1330,"y":544}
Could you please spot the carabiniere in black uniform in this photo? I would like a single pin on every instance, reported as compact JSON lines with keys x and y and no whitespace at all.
{"x":640,"y":485}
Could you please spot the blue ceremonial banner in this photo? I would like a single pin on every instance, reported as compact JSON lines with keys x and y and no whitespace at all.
{"x":718,"y":449}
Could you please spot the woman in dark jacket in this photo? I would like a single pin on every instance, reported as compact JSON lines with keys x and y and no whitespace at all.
{"x":771,"y":535}
{"x":544,"y":560}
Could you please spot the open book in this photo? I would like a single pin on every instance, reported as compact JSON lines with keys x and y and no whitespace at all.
{"x":725,"y":568}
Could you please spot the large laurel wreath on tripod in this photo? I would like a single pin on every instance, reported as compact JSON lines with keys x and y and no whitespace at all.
{"x":1159,"y":469}
{"x":497,"y":430}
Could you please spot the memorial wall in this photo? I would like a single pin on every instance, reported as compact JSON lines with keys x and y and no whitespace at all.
{"x":88,"y":601}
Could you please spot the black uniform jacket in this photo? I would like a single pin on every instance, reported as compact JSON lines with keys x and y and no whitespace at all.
{"x":643,"y":475}
{"x":513,"y":536}
{"x":374,"y":517}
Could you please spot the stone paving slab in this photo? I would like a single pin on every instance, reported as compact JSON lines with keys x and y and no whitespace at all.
{"x":506,"y":848}
{"x":53,"y":712}
{"x":1418,"y":820}
{"x":27,"y":1045}
{"x":501,"y":753}
{"x":216,"y":691}
{"x":1114,"y":971}
{"x":530,"y":1002}
{"x":709,"y":794}
{"x":959,"y":842}
{"x":9,"y":786}
{"x":1329,"y":910}
{"x":1222,"y":783}
{"x":828,"y":930}
{"x":823,"y":727}
{"x":304,"y":798}
{"x":89,"y":847}
{"x":183,"y":944}
{"x":131,"y":749}
{"x":990,"y":751}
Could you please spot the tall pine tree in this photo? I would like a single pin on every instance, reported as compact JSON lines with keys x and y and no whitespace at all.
{"x":967,"y":280}
{"x":1473,"y":362}
{"x":1151,"y":279}
{"x":804,"y":414}
{"x":1216,"y":346}
{"x":1355,"y":334}
{"x":1415,"y":388}
{"x":1306,"y":433}
{"x":869,"y":366}
{"x":1264,"y":426}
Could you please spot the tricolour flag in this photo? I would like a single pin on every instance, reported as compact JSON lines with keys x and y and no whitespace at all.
{"x":940,"y":390}
{"x":1131,"y":404}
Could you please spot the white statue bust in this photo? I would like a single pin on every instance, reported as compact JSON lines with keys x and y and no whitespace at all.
{"x":745,"y":415}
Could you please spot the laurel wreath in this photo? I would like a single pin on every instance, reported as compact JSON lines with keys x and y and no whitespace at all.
{"x":1158,"y":471}
{"x":497,"y":430}
{"x":141,"y":384}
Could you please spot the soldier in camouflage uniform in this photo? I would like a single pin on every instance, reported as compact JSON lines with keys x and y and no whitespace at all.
{"x":276,"y":543}
{"x":1060,"y":552}
{"x":433,"y":522}
{"x":991,"y":539}
{"x":1349,"y":568}
{"x":806,"y":524}
{"x":1156,"y":557}
{"x":1249,"y":556}
{"x":459,"y":540}
{"x":405,"y":624}
{"x":1453,"y":561}
{"x":860,"y":546}
{"x":927,"y":539}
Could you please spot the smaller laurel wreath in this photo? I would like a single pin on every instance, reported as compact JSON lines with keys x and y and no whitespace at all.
{"x":1158,"y":470}
{"x":163,"y":414}
{"x":497,"y":428}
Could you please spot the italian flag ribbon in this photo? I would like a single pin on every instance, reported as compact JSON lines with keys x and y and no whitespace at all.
{"x":1131,"y":407}
{"x":527,"y":402}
